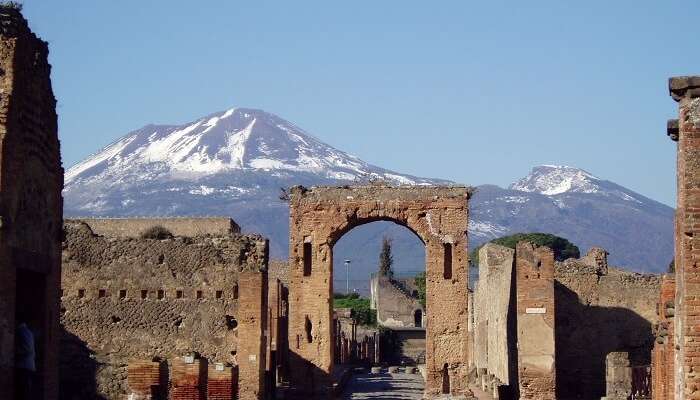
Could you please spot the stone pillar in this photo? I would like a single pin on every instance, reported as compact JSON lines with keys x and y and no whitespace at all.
{"x":618,"y":376}
{"x":31,"y":209}
{"x":686,"y":91}
{"x":535,"y":320}
{"x":662,"y":355}
{"x":252,"y":312}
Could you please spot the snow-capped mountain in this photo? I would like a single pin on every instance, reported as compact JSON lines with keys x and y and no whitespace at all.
{"x":233,"y":163}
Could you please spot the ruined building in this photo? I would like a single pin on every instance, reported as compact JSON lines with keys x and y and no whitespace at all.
{"x":680,"y":331}
{"x":320,"y":216}
{"x":183,"y":308}
{"x":598,"y":310}
{"x":31,"y":209}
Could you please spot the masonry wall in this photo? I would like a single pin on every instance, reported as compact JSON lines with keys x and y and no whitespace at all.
{"x":600,"y":310}
{"x":534,"y":268}
{"x":494,"y":315}
{"x":396,"y":302}
{"x":141,"y":299}
{"x":31,"y":179}
{"x":686,"y":91}
{"x":187,"y":227}
{"x":663,"y":353}
{"x":320,"y":216}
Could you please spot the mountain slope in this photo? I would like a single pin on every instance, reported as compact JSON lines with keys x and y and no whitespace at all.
{"x":233,"y":163}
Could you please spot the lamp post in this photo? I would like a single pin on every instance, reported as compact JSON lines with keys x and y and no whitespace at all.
{"x":347,"y":276}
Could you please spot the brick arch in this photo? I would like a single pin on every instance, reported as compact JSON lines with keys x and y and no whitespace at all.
{"x":351,"y":224}
{"x":320,"y":216}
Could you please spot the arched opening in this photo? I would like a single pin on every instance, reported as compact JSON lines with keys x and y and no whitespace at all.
{"x":395,"y":298}
{"x":418,"y":319}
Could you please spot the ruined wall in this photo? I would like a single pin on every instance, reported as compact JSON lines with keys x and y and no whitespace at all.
{"x":125,"y":298}
{"x":320,"y":216}
{"x":686,"y":91}
{"x":534,"y":268}
{"x":396,"y":303}
{"x":662,"y":356}
{"x":188,"y":227}
{"x":600,"y":310}
{"x":493,"y":314}
{"x":31,"y":179}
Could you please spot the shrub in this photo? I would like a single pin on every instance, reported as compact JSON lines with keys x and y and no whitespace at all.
{"x":361,"y":313}
{"x":563,"y":249}
{"x":156,"y":232}
{"x":11,"y":4}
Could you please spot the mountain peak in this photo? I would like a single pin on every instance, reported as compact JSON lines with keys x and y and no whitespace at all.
{"x":557,"y":179}
{"x":238,"y":139}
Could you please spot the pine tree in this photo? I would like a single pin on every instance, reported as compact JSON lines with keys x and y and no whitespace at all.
{"x":385,"y":258}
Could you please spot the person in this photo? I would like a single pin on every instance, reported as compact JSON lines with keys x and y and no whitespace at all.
{"x":25,"y":360}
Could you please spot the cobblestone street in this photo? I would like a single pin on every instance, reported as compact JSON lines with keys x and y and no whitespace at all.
{"x":386,"y":386}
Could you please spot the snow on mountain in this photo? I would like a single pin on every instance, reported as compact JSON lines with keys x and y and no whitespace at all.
{"x":236,"y":139}
{"x":233,"y":163}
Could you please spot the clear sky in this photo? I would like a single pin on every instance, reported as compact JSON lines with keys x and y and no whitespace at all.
{"x":476,"y":92}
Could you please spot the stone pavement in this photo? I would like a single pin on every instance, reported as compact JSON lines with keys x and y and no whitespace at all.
{"x":385,"y":386}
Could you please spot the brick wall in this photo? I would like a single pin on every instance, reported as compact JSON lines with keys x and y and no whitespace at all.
{"x":686,"y":90}
{"x":128,"y":298}
{"x":662,"y":356}
{"x":535,"y":321}
{"x":31,"y":179}
{"x":190,"y":227}
{"x":320,"y":216}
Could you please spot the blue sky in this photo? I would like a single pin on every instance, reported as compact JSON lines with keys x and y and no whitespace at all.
{"x":476,"y":92}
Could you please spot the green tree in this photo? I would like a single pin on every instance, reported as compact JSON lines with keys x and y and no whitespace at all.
{"x":386,"y":260}
{"x":420,"y":284}
{"x":562,"y":248}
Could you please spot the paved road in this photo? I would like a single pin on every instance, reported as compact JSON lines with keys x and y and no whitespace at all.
{"x":384,"y":386}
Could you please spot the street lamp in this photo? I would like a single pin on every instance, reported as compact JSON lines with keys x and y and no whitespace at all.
{"x":347,"y":276}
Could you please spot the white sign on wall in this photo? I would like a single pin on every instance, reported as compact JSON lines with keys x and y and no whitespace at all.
{"x":540,"y":310}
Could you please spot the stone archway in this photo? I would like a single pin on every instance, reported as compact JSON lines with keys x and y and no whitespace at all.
{"x":320,"y":216}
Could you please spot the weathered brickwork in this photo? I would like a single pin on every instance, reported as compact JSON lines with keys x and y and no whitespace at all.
{"x":600,"y":309}
{"x":126,"y":298}
{"x":396,"y":302}
{"x":662,"y":357}
{"x":686,"y":91}
{"x":31,"y":179}
{"x":320,"y":216}
{"x":494,"y":333}
{"x":534,"y":268}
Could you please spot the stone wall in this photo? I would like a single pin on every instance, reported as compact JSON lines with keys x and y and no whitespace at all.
{"x":686,"y":91}
{"x":600,"y":309}
{"x":662,"y":356}
{"x":494,"y":315}
{"x":188,"y":227}
{"x":396,"y":302}
{"x":31,"y":179}
{"x":141,"y":299}
{"x":534,"y":269}
{"x":319,"y":217}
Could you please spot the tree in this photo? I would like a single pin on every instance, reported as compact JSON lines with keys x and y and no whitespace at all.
{"x":563,"y":249}
{"x":386,"y":260}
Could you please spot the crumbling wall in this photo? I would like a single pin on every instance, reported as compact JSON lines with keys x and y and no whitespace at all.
{"x":31,"y":179}
{"x":493,"y":313}
{"x":187,"y":227}
{"x":600,"y":310}
{"x":534,"y":268}
{"x":320,"y":216}
{"x":396,"y":303}
{"x":686,"y":91}
{"x":662,"y":355}
{"x":125,"y":298}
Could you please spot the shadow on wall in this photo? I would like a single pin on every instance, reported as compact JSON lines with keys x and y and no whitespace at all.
{"x":78,"y":369}
{"x":308,"y":381}
{"x":585,"y":335}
